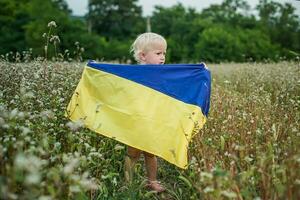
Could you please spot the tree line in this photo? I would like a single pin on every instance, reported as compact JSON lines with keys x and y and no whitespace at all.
{"x":229,"y":31}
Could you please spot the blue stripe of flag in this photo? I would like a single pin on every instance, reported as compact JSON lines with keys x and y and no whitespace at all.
{"x":190,"y":83}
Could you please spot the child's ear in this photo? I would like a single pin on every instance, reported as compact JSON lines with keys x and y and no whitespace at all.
{"x":142,"y":56}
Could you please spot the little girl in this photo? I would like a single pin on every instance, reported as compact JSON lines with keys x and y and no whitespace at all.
{"x":148,"y":48}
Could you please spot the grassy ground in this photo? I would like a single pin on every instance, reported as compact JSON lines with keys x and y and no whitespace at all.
{"x":249,"y":148}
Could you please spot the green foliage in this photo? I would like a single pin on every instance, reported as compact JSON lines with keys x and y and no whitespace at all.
{"x":222,"y":33}
{"x":118,"y":50}
{"x":281,"y":23}
{"x":231,"y":13}
{"x":221,"y":43}
{"x":216,"y":44}
{"x":13,"y":17}
{"x":115,"y":19}
{"x":68,"y":30}
{"x":257,"y":46}
{"x":25,"y":25}
{"x":181,"y":27}
{"x":38,"y":25}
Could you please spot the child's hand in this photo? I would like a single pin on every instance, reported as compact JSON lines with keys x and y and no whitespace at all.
{"x":204,"y":65}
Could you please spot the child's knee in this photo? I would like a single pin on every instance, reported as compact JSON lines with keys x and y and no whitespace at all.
{"x":148,"y":155}
{"x":133,"y":152}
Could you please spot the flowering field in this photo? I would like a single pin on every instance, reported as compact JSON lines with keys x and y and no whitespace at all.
{"x":249,"y":148}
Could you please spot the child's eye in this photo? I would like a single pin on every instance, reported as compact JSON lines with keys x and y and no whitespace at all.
{"x":160,"y":53}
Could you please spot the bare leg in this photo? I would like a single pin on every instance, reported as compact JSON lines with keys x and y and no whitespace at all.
{"x":151,"y":168}
{"x":132,"y":157}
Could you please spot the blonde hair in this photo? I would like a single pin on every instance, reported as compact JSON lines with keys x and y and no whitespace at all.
{"x":146,"y":42}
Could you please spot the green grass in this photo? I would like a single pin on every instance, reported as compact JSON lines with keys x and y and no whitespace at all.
{"x":248,"y":149}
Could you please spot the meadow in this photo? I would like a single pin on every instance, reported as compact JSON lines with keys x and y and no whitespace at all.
{"x":248,"y":149}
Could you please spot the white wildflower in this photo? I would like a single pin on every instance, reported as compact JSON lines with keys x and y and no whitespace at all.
{"x":25,"y":130}
{"x":208,"y":189}
{"x":33,"y":178}
{"x":2,"y":122}
{"x":75,"y":189}
{"x":229,"y":194}
{"x":69,"y":168}
{"x":44,"y":198}
{"x":13,"y":113}
{"x":28,"y":95}
{"x":47,"y":114}
{"x":29,"y":163}
{"x":119,"y":147}
{"x":52,"y":23}
{"x":75,"y":125}
{"x":206,"y":175}
{"x":21,"y":115}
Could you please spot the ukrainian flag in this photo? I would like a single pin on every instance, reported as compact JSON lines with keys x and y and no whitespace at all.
{"x":155,"y":108}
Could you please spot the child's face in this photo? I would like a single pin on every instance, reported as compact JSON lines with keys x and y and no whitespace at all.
{"x":155,"y":56}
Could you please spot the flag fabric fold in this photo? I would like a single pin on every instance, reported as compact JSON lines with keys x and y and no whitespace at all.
{"x":155,"y":108}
